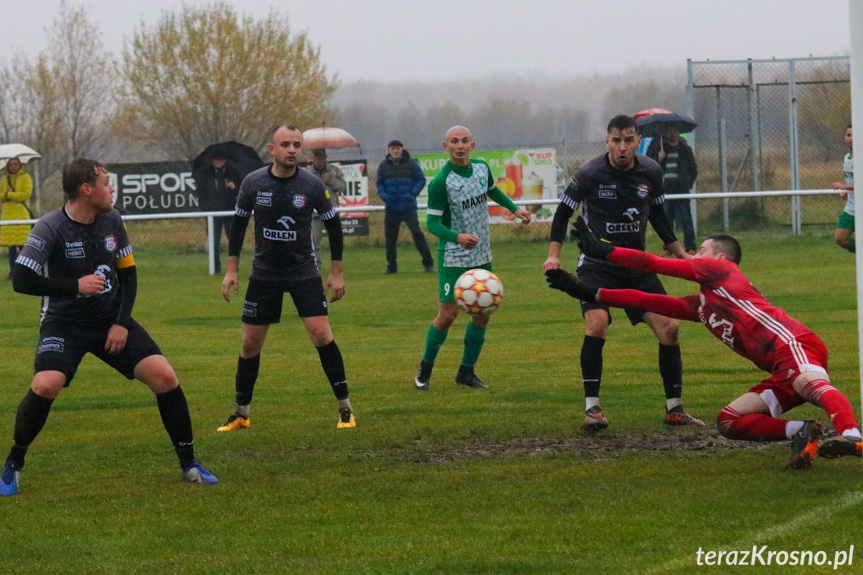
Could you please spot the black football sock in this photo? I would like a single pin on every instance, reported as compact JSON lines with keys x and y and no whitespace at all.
{"x":671,"y":370}
{"x":175,"y":417}
{"x":334,"y":368}
{"x":591,"y":364}
{"x":29,"y":421}
{"x":247,"y":375}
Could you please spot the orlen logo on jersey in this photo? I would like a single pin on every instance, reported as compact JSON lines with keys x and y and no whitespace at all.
{"x":624,"y":228}
{"x":285,"y":235}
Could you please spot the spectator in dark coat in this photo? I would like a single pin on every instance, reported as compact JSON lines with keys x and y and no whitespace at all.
{"x":678,"y":163}
{"x":400,"y":181}
{"x":218,"y":185}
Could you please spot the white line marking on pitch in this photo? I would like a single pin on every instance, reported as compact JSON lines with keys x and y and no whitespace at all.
{"x":818,"y":515}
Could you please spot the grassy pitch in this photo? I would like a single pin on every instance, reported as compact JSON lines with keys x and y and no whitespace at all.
{"x":452,"y":480}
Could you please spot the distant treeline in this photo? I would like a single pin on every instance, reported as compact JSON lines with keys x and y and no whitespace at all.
{"x":502,"y":111}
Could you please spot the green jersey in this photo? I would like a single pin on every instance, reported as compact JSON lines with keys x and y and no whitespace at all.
{"x":458,"y":199}
{"x":848,"y":165}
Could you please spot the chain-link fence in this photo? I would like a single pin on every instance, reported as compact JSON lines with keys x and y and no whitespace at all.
{"x":769,"y":125}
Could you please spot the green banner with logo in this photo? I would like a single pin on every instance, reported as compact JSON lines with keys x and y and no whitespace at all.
{"x":523,"y":174}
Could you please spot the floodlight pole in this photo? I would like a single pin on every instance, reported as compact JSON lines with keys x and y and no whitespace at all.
{"x":855,"y":21}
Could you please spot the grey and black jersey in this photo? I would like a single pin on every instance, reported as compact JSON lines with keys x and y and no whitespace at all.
{"x":283,"y":209}
{"x":59,"y":247}
{"x":616,"y":204}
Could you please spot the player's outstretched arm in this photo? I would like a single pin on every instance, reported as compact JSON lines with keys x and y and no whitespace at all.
{"x":678,"y":308}
{"x":592,"y":246}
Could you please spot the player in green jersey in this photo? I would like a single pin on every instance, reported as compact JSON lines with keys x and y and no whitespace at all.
{"x":845,"y":223}
{"x":458,"y":215}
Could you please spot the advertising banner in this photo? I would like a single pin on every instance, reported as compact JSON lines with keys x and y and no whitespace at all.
{"x":168,"y":188}
{"x":356,"y":196}
{"x":154,"y":188}
{"x":523,"y":174}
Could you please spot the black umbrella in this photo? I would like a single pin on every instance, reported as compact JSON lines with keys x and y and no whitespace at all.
{"x":242,"y":158}
{"x":653,"y":125}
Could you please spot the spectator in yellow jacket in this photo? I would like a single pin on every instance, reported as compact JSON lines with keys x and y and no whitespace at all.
{"x":16,"y":186}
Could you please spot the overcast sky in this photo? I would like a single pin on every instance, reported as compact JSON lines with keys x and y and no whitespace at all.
{"x":399,"y":40}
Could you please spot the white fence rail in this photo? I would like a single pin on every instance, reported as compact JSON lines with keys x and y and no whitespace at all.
{"x":796,"y":218}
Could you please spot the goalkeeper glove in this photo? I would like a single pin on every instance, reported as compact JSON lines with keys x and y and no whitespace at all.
{"x":589,"y":244}
{"x":569,"y":284}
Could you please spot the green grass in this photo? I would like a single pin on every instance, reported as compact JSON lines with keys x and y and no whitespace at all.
{"x":452,"y":481}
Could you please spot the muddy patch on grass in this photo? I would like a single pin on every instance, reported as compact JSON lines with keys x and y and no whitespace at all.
{"x":594,"y":447}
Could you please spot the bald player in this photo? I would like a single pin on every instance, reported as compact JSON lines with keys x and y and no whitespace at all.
{"x":458,"y":215}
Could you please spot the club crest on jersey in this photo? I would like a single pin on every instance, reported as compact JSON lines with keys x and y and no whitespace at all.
{"x":299,"y":201}
{"x":110,"y":244}
{"x":642,"y":190}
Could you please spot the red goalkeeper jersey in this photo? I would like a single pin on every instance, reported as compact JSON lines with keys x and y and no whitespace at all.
{"x":727,"y":304}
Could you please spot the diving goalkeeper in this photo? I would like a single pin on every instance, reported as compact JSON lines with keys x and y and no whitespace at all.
{"x":736,"y":313}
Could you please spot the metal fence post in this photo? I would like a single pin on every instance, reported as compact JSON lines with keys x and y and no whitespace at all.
{"x":211,"y":255}
{"x":690,"y":111}
{"x":796,"y":217}
{"x":754,"y":158}
{"x":723,"y":144}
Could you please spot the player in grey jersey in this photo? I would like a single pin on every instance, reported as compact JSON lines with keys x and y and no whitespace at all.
{"x":80,"y":260}
{"x":619,"y":193}
{"x":283,"y":199}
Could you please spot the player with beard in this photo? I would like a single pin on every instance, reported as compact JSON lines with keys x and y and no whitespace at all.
{"x":619,"y":192}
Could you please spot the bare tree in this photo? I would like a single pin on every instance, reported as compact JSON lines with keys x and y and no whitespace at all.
{"x":205,"y":75}
{"x":84,"y":83}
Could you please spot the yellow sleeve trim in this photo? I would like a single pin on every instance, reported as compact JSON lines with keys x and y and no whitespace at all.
{"x":126,"y":262}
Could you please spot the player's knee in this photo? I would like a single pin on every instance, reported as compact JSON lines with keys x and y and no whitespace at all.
{"x":814,"y":389}
{"x":252,"y":345}
{"x":162,"y":381}
{"x":668,"y":332}
{"x":48,"y":387}
{"x":445,"y":317}
{"x":321,"y":337}
{"x":725,"y":422}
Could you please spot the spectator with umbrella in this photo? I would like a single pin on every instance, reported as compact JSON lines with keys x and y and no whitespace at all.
{"x":334,"y":180}
{"x":678,"y":165}
{"x":15,"y":190}
{"x":218,"y":172}
{"x":319,"y":140}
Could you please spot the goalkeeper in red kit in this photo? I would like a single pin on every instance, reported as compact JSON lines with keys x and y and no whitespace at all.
{"x":736,"y":313}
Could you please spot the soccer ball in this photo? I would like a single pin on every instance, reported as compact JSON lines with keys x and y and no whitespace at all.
{"x":478,"y":292}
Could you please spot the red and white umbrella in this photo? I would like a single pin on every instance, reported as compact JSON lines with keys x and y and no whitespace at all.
{"x":327,"y":137}
{"x":650,"y":112}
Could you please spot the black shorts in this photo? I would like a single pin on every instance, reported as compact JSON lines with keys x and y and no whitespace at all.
{"x":62,"y":346}
{"x":606,"y":276}
{"x":263,"y":305}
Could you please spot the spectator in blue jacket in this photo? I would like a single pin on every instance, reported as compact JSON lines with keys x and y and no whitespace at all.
{"x":400,"y":181}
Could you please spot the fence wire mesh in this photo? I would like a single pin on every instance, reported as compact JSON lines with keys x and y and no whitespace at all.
{"x":770,"y":125}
